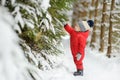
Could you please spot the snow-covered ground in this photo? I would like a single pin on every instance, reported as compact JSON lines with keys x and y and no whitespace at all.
{"x":96,"y":66}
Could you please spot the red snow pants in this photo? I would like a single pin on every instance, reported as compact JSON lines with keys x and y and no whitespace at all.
{"x":77,"y":45}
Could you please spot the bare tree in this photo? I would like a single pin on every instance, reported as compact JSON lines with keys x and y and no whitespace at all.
{"x":103,"y":26}
{"x":80,"y":10}
{"x":91,"y":11}
{"x":75,"y":12}
{"x":110,"y":30}
{"x":93,"y":39}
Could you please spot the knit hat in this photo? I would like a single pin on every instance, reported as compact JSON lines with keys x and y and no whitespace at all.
{"x":90,"y":23}
{"x":83,"y":25}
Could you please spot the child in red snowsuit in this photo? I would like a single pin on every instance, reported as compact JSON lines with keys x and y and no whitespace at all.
{"x":78,"y":37}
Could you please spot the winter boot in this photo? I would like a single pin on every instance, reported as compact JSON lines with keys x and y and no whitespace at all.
{"x":78,"y":73}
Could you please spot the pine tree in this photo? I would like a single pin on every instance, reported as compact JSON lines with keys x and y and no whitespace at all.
{"x":40,"y":28}
{"x":40,"y":31}
{"x":13,"y":62}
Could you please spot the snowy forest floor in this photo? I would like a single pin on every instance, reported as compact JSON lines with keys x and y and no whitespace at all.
{"x":96,"y":66}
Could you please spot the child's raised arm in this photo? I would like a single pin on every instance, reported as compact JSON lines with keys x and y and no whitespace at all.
{"x":68,"y":28}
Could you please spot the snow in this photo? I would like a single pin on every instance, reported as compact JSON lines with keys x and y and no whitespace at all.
{"x":115,"y":11}
{"x":42,"y":6}
{"x":3,"y":2}
{"x":105,"y":24}
{"x":92,"y":8}
{"x":14,"y":66}
{"x":45,"y":5}
{"x":18,"y":17}
{"x":29,"y":24}
{"x":117,"y":1}
{"x":96,"y":66}
{"x":12,"y":1}
{"x":115,"y":15}
{"x":12,"y":60}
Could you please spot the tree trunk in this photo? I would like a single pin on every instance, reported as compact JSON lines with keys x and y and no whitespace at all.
{"x":75,"y":12}
{"x":110,"y":30}
{"x":91,"y":11}
{"x":103,"y":27}
{"x":79,"y":10}
{"x":93,"y":39}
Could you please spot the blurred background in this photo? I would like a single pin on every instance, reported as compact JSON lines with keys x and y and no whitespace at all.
{"x":31,"y":33}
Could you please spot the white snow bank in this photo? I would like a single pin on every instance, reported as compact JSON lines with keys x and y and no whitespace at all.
{"x":12,"y":61}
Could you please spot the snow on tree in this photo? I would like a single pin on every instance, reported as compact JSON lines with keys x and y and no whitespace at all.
{"x":116,"y":28}
{"x":13,"y":65}
{"x":32,"y":14}
{"x":39,"y":28}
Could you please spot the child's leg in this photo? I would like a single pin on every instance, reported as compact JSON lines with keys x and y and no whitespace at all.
{"x":79,"y":63}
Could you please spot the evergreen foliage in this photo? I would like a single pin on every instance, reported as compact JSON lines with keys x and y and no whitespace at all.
{"x":40,"y":29}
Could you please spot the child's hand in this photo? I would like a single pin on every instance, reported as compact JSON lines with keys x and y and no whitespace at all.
{"x":64,"y":23}
{"x":78,"y":56}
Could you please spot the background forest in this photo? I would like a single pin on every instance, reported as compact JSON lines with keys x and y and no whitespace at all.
{"x":31,"y":33}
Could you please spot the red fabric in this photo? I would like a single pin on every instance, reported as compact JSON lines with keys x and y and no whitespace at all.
{"x":77,"y":44}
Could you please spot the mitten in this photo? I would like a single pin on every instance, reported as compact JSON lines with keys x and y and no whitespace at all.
{"x":78,"y":56}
